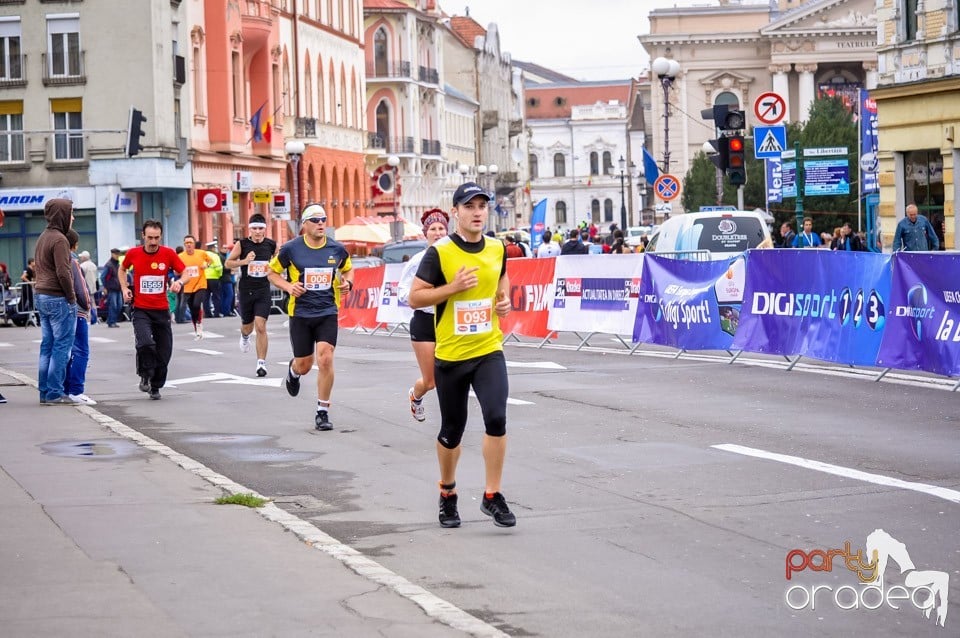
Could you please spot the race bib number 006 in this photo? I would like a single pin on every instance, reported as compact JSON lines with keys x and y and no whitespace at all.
{"x":151,"y":285}
{"x":473,"y":317}
{"x":317,"y":278}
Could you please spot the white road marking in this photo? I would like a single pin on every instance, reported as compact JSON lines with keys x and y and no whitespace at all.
{"x":102,"y":340}
{"x":206,"y":335}
{"x":215,"y":353}
{"x":542,"y":365}
{"x":509,"y":400}
{"x":846,"y":472}
{"x":6,"y":345}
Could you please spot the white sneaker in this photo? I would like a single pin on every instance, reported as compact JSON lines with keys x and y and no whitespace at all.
{"x":82,"y":399}
{"x":198,"y":335}
{"x":244,"y":343}
{"x":416,"y":408}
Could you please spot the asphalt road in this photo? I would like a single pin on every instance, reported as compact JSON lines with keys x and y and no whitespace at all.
{"x":631,"y":521}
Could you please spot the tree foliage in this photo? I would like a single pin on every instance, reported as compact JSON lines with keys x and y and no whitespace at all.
{"x":830,"y":124}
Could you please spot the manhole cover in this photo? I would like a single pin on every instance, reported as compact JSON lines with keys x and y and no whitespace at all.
{"x":102,"y":448}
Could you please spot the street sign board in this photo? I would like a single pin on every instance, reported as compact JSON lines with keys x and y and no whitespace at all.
{"x":770,"y":108}
{"x":825,"y":151}
{"x":826,"y":177}
{"x":789,"y":177}
{"x":667,"y":187}
{"x":714,"y":209}
{"x":769,"y":141}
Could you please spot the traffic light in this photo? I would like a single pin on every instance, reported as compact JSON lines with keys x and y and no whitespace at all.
{"x":721,"y":158}
{"x":135,"y":132}
{"x":736,"y":161}
{"x":724,"y":117}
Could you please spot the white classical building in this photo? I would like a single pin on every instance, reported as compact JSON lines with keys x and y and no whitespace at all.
{"x":579,"y":131}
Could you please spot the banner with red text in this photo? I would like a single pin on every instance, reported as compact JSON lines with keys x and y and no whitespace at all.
{"x":359,"y":307}
{"x":531,"y":291}
{"x":594,"y":293}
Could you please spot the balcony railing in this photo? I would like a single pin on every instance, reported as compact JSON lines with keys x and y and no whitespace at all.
{"x":430,"y":147}
{"x":399,"y":69}
{"x":429,"y":75}
{"x":13,"y":75}
{"x":72,"y":71}
{"x":391,"y":144}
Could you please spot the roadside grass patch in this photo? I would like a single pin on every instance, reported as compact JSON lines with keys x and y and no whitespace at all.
{"x":247,"y":500}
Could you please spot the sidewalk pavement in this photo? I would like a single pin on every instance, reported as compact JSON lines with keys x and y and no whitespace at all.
{"x":122,"y":541}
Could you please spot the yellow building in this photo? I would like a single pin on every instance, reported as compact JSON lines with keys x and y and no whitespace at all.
{"x":918,"y":111}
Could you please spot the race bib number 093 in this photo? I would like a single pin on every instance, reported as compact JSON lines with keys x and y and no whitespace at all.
{"x":473,"y":317}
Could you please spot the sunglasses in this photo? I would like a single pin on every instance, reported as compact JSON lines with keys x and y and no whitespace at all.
{"x":315,"y":220}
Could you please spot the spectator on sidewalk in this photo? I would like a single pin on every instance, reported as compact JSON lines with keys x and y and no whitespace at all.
{"x":848,"y":240}
{"x":75,"y":380}
{"x":915,"y":232}
{"x":111,"y":284}
{"x":808,"y":238}
{"x":91,"y":277}
{"x":548,"y":248}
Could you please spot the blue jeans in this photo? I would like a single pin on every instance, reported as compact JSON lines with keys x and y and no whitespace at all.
{"x":114,"y":306}
{"x":58,"y":325}
{"x":79,"y":357}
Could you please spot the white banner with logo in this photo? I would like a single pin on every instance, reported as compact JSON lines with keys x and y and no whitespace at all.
{"x":596,"y":294}
{"x":391,"y":310}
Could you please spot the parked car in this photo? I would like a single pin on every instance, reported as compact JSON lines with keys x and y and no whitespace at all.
{"x":723,"y":234}
{"x":395,"y":251}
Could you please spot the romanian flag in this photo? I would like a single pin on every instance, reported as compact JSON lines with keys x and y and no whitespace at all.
{"x":255,"y":124}
{"x":267,"y":130}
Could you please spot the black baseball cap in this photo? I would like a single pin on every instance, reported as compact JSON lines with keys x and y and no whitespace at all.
{"x":467,"y":191}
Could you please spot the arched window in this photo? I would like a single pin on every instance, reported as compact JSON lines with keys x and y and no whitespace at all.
{"x":561,"y":212}
{"x":534,"y":168}
{"x":321,"y":103}
{"x":287,"y":110}
{"x":595,"y":210}
{"x":594,"y":163}
{"x":607,"y":163}
{"x":380,"y":53}
{"x":308,"y":90}
{"x":383,"y":124}
{"x":608,"y":210}
{"x":726,"y":97}
{"x":559,"y":165}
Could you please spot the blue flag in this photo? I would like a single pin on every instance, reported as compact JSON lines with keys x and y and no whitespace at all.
{"x":538,"y":220}
{"x":650,"y":170}
{"x":255,"y":123}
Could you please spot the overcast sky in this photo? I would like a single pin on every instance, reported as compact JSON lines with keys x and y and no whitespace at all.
{"x":596,"y":41}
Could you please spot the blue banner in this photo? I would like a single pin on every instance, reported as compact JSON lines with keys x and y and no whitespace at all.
{"x":538,"y":222}
{"x":774,"y":180}
{"x":869,"y":143}
{"x":924,"y":317}
{"x":650,"y":170}
{"x":689,"y":304}
{"x":829,"y":305}
{"x":789,"y":178}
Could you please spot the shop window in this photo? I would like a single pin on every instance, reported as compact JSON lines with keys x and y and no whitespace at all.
{"x":923,"y":185}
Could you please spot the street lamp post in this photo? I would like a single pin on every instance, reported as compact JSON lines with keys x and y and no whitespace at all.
{"x":622,"y":163}
{"x":642,"y":191}
{"x":294,"y":150}
{"x":394,"y":162}
{"x":667,"y":71}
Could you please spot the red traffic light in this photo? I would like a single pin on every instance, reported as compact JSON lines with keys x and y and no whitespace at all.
{"x":736,"y":144}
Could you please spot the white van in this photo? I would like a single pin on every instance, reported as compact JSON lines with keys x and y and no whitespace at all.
{"x":723,"y":234}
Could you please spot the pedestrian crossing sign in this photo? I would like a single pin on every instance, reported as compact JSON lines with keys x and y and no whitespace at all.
{"x":769,"y":141}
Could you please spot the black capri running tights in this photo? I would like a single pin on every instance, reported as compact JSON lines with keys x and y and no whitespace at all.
{"x":488,"y":376}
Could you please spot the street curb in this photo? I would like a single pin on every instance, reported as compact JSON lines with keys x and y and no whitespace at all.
{"x":434,"y":606}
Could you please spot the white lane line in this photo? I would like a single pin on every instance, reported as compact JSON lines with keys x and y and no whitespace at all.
{"x":509,"y":400}
{"x":101,"y":340}
{"x":6,"y":345}
{"x":846,"y":472}
{"x":542,"y":365}
{"x":216,"y":353}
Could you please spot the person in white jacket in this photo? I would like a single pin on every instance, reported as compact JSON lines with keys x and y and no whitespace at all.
{"x":422,"y":335}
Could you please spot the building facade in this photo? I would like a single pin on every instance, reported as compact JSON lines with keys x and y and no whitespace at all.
{"x":918,"y":112}
{"x":579,"y":131}
{"x":732,"y":52}
{"x":65,"y":101}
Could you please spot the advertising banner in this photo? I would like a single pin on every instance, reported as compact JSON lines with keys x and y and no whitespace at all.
{"x":538,"y":223}
{"x":390,"y":309}
{"x":693,"y":305}
{"x":869,"y":143}
{"x":828,"y":305}
{"x":923,"y":331}
{"x":531,"y":294}
{"x":359,"y":307}
{"x":774,"y":172}
{"x":826,"y":177}
{"x":595,"y":294}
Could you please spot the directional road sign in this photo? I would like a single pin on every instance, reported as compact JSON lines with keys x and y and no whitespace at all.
{"x":769,"y":141}
{"x":770,"y":108}
{"x":667,"y":187}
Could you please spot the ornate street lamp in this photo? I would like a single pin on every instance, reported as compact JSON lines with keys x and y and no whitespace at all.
{"x":667,"y":71}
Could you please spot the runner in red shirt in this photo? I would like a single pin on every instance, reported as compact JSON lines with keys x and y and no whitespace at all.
{"x":152,"y":265}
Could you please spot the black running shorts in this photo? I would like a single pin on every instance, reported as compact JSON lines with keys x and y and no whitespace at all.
{"x":422,"y":328}
{"x":307,"y":332}
{"x":254,"y":303}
